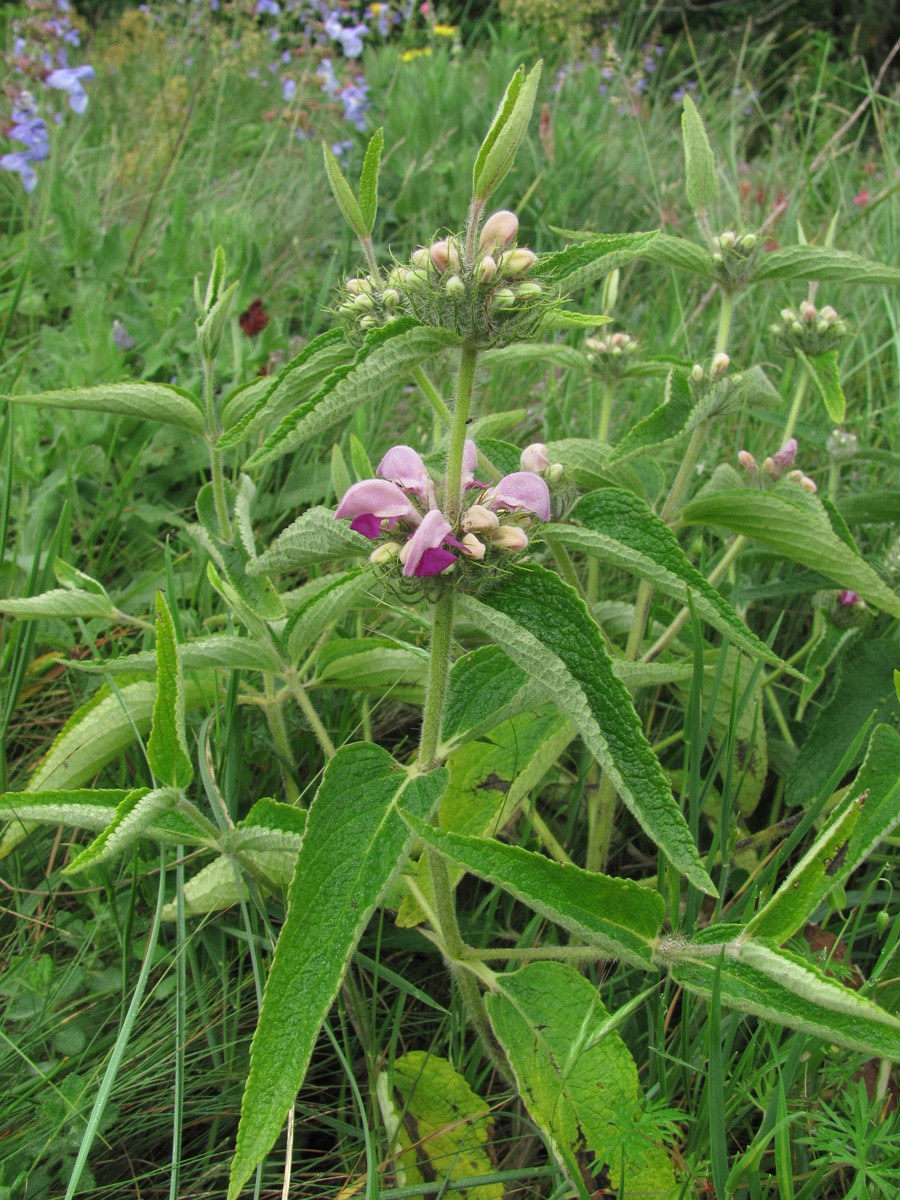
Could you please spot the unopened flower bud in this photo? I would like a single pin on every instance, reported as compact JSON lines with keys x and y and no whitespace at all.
{"x":769,"y":465}
{"x":697,"y":373}
{"x":517,"y":262}
{"x":368,"y":322}
{"x":748,"y":462}
{"x":787,"y":455}
{"x":416,"y":279}
{"x":822,"y":326}
{"x":596,"y":345}
{"x":620,"y":339}
{"x":527,"y":291}
{"x":848,"y":598}
{"x":808,"y":484}
{"x":534,"y":458}
{"x":487,"y":269}
{"x":717,"y":259}
{"x":444,"y":254}
{"x":363,"y":302}
{"x":397,"y":276}
{"x":499,"y":231}
{"x":509,"y":537}
{"x":720,"y":363}
{"x":787,"y":315}
{"x":385,"y":553}
{"x":421,"y":257}
{"x":727,"y":239}
{"x":503,"y":298}
{"x":748,"y":241}
{"x":554,"y":473}
{"x":808,"y":311}
{"x":828,"y":313}
{"x":390,"y":298}
{"x":478,"y":519}
{"x":473,"y":547}
{"x":455,"y":287}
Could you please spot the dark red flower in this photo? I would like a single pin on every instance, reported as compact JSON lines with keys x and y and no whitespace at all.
{"x":254,"y":320}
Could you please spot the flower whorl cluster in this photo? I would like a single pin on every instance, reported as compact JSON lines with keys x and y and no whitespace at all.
{"x":809,"y":329}
{"x":400,"y":511}
{"x":775,"y":466}
{"x":734,"y":258}
{"x":611,"y":355}
{"x":486,"y":299}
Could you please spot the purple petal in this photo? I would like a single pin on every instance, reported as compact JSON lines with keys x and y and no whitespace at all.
{"x":787,"y":455}
{"x":375,"y":497}
{"x":432,"y":562}
{"x":404,"y":467}
{"x":429,"y":536}
{"x":520,"y":492}
{"x":368,"y":525}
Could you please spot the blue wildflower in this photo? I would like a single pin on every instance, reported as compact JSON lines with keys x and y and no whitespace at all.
{"x":68,"y":79}
{"x":288,"y":89}
{"x":271,"y":7}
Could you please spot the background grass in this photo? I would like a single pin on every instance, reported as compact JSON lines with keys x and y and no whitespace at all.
{"x":181,"y":150}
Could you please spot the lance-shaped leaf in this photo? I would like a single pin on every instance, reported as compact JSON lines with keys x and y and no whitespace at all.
{"x":579,"y":1081}
{"x":293,"y":383}
{"x":486,"y":687}
{"x":579,"y":266}
{"x":782,"y":987}
{"x":321,"y":611}
{"x":167,"y":751}
{"x":438,"y":1128}
{"x":823,"y":369}
{"x":617,"y":527}
{"x":373,"y":664}
{"x":619,"y":917}
{"x":824,"y":263}
{"x":133,"y":818}
{"x":60,"y":602}
{"x":501,"y":145}
{"x":793,"y":523}
{"x":223,"y":652}
{"x":314,"y":537}
{"x":385,"y":355}
{"x":668,"y":251}
{"x":871,"y":508}
{"x":92,"y":809}
{"x":355,"y":841}
{"x":368,"y":180}
{"x":161,"y":402}
{"x":544,"y":627}
{"x":666,"y":423}
{"x":343,"y":193}
{"x":701,"y":181}
{"x":811,"y":880}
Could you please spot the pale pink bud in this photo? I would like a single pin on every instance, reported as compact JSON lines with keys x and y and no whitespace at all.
{"x":352,"y":286}
{"x":444,"y":254}
{"x":385,"y":553}
{"x":478,"y":519}
{"x":808,"y":484}
{"x":487,"y":269}
{"x":534,"y":458}
{"x":696,"y":373}
{"x":472,"y":547}
{"x":499,"y":231}
{"x":828,"y":313}
{"x":786,"y":456}
{"x":747,"y":461}
{"x":509,"y":537}
{"x":520,"y":492}
{"x":517,"y":262}
{"x":596,"y":345}
{"x":720,"y":363}
{"x":808,"y":311}
{"x":769,"y":465}
{"x":421,"y":257}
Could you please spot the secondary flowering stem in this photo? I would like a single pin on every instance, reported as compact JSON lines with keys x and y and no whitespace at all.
{"x":464,"y":385}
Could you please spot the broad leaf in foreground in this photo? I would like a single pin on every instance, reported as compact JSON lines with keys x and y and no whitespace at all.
{"x":618,"y":916}
{"x":579,"y":266}
{"x":354,"y":843}
{"x":161,"y":402}
{"x":579,"y":1082}
{"x":618,"y":527}
{"x":758,"y":978}
{"x":546,"y":629}
{"x":167,"y":751}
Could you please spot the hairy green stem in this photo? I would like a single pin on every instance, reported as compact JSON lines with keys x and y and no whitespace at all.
{"x":432,"y":395}
{"x":605,"y":412}
{"x":278,"y":729}
{"x":799,"y":394}
{"x":725,"y":315}
{"x":601,"y":811}
{"x":465,"y":383}
{"x":438,"y":674}
{"x":306,"y":707}
{"x":215,"y":456}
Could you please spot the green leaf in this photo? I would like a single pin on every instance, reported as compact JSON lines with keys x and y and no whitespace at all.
{"x":222,"y":652}
{"x":386,"y":354}
{"x":371,"y":664}
{"x":579,"y":1082}
{"x":546,"y":354}
{"x":82,"y":808}
{"x":666,"y":423}
{"x":167,"y":751}
{"x":161,"y":402}
{"x":355,"y":841}
{"x":368,"y":180}
{"x":133,"y":817}
{"x":579,"y":266}
{"x":863,"y":686}
{"x":484,"y":687}
{"x":212,"y":327}
{"x":489,"y":780}
{"x":216,"y":280}
{"x":811,"y":880}
{"x":823,"y":369}
{"x":360,"y":459}
{"x":668,"y":251}
{"x":823,"y":263}
{"x":70,"y":577}
{"x":343,"y":193}
{"x":501,"y":145}
{"x":792,"y":522}
{"x":618,"y":916}
{"x":564,"y":319}
{"x":871,"y":508}
{"x":701,"y":181}
{"x":619,"y":528}
{"x":60,"y":602}
{"x":315,"y":537}
{"x":321,"y":611}
{"x":293,"y":383}
{"x":784,"y":988}
{"x":440,"y":1127}
{"x":545,"y":628}
{"x":879,"y":781}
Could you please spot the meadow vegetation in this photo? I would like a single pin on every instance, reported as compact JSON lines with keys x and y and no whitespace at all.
{"x":212,"y":338}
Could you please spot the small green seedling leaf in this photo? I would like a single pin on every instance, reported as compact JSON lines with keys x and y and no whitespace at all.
{"x":506,"y":134}
{"x":368,"y":180}
{"x":343,"y":193}
{"x":167,"y":750}
{"x":701,"y":180}
{"x":354,"y":843}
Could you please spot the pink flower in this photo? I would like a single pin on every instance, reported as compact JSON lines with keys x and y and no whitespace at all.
{"x":861,"y":198}
{"x":424,"y":554}
{"x":372,"y":501}
{"x":786,"y":456}
{"x":522,"y":491}
{"x":848,"y":598}
{"x":404,"y":467}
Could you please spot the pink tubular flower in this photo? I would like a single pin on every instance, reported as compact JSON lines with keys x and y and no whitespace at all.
{"x":372,"y":501}
{"x":786,"y":456}
{"x":424,"y":553}
{"x":523,"y":491}
{"x":404,"y":467}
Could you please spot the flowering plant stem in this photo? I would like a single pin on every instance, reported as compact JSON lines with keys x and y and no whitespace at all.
{"x":215,"y":456}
